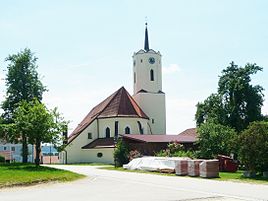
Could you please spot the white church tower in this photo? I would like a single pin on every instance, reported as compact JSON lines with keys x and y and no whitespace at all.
{"x":147,"y":72}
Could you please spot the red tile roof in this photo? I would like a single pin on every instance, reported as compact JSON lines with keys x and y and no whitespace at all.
{"x":100,"y":143}
{"x":161,"y":138}
{"x":187,"y":136}
{"x":119,"y":104}
{"x":190,"y":132}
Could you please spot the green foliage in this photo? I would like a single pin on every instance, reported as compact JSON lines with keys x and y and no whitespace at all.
{"x":176,"y":149}
{"x":121,"y":153}
{"x":8,"y":132}
{"x":211,"y":108}
{"x":22,"y":81}
{"x":2,"y":159}
{"x":237,"y":102}
{"x":40,"y":124}
{"x":23,"y":84}
{"x":254,"y":147}
{"x":214,"y":139}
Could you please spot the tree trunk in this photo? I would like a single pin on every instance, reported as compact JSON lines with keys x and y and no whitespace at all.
{"x":37,"y":151}
{"x":24,"y":149}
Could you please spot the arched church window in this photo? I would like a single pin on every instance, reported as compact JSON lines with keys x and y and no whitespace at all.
{"x":107,"y":132}
{"x":140,"y":127}
{"x":152,"y":75}
{"x":127,"y":130}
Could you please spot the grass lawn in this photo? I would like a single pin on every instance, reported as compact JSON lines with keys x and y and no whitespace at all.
{"x":86,"y":164}
{"x":238,"y":176}
{"x":224,"y":176}
{"x":27,"y":174}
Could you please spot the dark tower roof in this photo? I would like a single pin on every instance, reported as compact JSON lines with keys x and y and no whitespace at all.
{"x":146,"y":41}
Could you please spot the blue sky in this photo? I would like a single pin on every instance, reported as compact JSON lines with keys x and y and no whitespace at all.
{"x":85,"y":48}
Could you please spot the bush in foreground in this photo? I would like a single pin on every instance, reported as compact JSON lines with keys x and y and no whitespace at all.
{"x":214,"y":139}
{"x":121,"y":153}
{"x":254,"y":147}
{"x":176,"y":149}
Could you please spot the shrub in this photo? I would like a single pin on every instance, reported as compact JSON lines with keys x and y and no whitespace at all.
{"x":214,"y":139}
{"x":189,"y":153}
{"x":254,"y":147}
{"x":163,"y":153}
{"x":2,"y":159}
{"x":121,"y":153}
{"x":176,"y":149}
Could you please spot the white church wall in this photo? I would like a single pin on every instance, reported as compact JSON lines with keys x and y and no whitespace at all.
{"x":77,"y":155}
{"x":154,"y":106}
{"x":74,"y":151}
{"x":132,"y":123}
{"x":141,"y":69}
{"x":91,"y":155}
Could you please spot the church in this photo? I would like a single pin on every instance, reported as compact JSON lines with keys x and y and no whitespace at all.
{"x":140,"y":118}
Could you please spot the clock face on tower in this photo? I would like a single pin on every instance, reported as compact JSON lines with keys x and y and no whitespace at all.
{"x":151,"y":60}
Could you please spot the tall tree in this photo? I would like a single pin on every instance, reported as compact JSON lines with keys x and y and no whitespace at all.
{"x":243,"y":101}
{"x":22,"y":83}
{"x":211,"y":108}
{"x":237,"y":102}
{"x":42,"y":125}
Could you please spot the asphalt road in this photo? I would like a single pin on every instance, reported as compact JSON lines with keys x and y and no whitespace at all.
{"x":118,"y":186}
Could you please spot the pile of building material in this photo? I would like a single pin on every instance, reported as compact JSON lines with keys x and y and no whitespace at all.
{"x":160,"y":164}
{"x":193,"y":167}
{"x":181,"y":167}
{"x":209,"y":168}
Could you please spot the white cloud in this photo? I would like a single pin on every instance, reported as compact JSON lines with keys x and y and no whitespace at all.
{"x":179,"y":114}
{"x":172,"y":68}
{"x":265,"y":108}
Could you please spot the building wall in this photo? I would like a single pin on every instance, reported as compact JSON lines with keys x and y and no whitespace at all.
{"x":141,"y":70}
{"x":97,"y":128}
{"x":152,"y":102}
{"x":155,"y":107}
{"x":14,"y":151}
{"x":74,"y":151}
{"x":50,"y":159}
{"x":132,"y":123}
{"x":90,"y":156}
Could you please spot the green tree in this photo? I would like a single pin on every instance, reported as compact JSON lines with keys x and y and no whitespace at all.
{"x":237,"y":102}
{"x":7,"y":131}
{"x":253,"y":147}
{"x":121,"y":153}
{"x":41,"y":125}
{"x":211,"y":108}
{"x":22,"y":83}
{"x":214,"y":139}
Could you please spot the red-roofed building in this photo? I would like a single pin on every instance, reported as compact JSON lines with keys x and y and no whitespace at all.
{"x":150,"y":144}
{"x":93,"y":138}
{"x":139,"y":119}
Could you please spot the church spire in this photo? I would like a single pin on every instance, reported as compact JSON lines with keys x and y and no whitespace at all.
{"x":146,"y":42}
